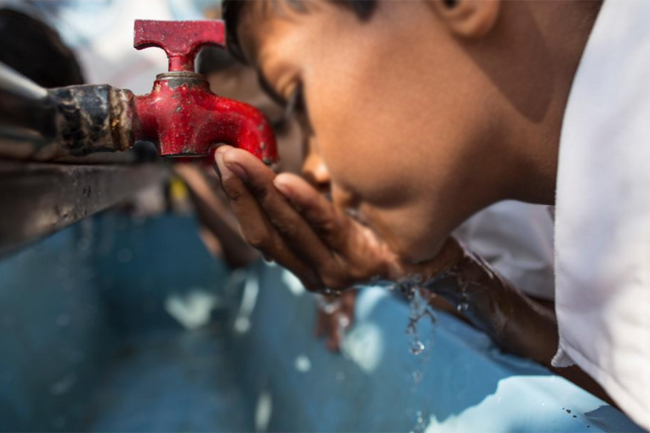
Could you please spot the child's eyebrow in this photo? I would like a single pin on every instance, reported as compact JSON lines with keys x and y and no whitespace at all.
{"x":264,"y":84}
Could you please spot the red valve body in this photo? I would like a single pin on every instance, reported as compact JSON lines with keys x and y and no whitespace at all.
{"x":187,"y":119}
{"x":181,"y":114}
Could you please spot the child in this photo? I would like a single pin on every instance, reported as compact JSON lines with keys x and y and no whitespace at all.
{"x":426,"y":112}
{"x":530,"y":270}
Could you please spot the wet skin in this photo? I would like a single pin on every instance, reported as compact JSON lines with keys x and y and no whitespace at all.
{"x":423,"y":115}
{"x":418,"y":112}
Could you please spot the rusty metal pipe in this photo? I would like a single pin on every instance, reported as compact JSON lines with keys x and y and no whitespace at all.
{"x":91,"y":118}
{"x":41,"y":124}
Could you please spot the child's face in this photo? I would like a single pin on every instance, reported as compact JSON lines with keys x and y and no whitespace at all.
{"x":403,"y":117}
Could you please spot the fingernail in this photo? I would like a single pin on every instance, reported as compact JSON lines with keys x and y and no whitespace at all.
{"x":222,"y":149}
{"x":237,"y":169}
{"x":284,"y":189}
{"x":218,"y":164}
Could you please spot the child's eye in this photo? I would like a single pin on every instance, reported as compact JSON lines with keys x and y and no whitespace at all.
{"x":296,"y":103}
{"x":293,"y":107}
{"x":297,"y":108}
{"x":269,"y":90}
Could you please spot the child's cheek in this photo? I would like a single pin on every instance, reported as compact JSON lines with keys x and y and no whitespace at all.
{"x":409,"y":230}
{"x":380,"y":179}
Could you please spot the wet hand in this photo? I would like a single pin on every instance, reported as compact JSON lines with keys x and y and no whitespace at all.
{"x":294,"y":225}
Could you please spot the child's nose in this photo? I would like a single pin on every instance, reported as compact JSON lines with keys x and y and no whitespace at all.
{"x":315,"y":172}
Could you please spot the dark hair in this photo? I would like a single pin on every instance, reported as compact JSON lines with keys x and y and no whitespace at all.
{"x":232,"y":12}
{"x":35,"y":50}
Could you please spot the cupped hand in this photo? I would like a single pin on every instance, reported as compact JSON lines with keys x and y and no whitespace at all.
{"x":293,"y":224}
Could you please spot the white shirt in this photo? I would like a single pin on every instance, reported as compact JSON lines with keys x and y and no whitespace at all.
{"x":517,"y":239}
{"x":602,"y":219}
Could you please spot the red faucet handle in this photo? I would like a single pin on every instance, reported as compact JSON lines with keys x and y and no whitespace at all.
{"x":181,"y":40}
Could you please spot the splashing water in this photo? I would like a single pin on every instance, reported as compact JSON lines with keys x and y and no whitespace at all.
{"x":330,"y":292}
{"x":328,"y":306}
{"x":417,"y":347}
{"x":419,"y":309}
{"x":420,"y":424}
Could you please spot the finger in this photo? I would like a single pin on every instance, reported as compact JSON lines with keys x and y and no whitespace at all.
{"x":331,"y":224}
{"x":362,"y":252}
{"x":256,"y":228}
{"x":283,"y":217}
{"x":252,"y":221}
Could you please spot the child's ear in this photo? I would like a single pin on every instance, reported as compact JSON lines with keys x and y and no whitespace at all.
{"x":468,"y":18}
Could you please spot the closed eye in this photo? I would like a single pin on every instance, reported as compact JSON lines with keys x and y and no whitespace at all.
{"x":298,"y":108}
{"x":295,"y":106}
{"x":296,"y":103}
{"x":269,"y":90}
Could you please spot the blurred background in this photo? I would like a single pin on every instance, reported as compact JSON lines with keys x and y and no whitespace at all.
{"x":129,"y":302}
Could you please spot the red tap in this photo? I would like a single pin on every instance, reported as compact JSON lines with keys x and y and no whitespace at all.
{"x":181,"y":114}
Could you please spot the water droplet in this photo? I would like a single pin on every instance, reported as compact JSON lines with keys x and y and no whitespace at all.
{"x":419,"y":308}
{"x":327,"y":305}
{"x":420,"y":425}
{"x":417,"y":347}
{"x":331,"y":292}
